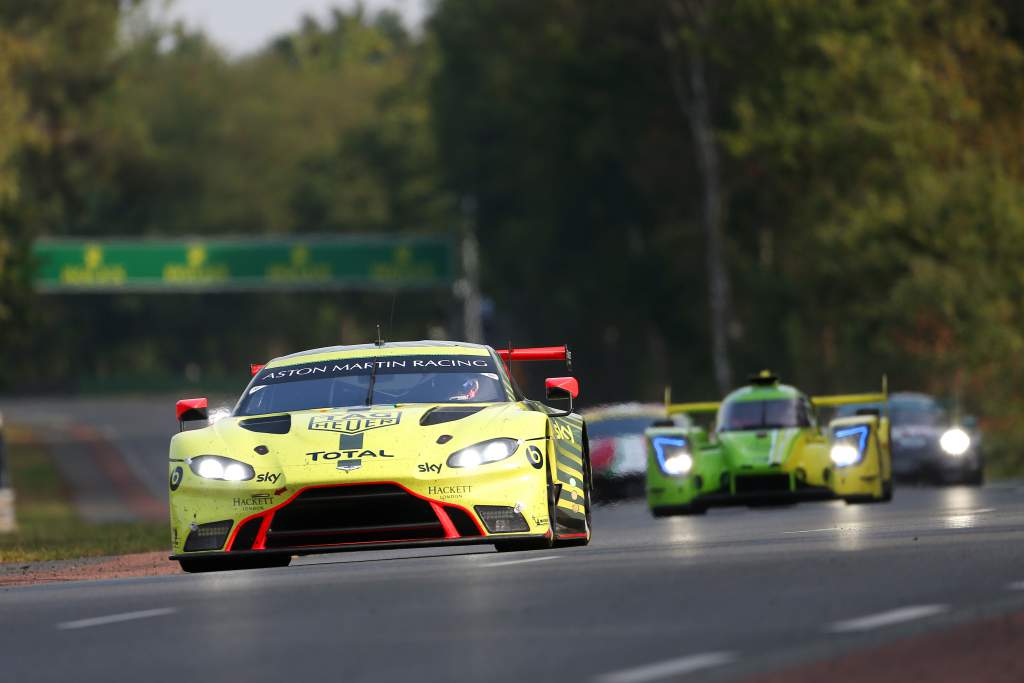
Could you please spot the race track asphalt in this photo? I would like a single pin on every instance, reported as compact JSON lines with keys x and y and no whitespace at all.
{"x":718,"y":597}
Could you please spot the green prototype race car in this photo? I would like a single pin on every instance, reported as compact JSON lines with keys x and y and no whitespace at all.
{"x":767,"y":446}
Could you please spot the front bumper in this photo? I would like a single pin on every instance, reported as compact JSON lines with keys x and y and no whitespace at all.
{"x":359,"y":515}
{"x":743,"y":489}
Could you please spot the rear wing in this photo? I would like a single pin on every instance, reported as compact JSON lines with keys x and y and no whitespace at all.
{"x":536,"y":353}
{"x":698,"y":407}
{"x":853,"y":399}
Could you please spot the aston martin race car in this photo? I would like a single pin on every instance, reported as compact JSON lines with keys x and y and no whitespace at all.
{"x":767,"y":446}
{"x":380,"y":445}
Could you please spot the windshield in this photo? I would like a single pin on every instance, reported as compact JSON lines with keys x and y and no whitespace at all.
{"x":771,"y":414}
{"x":399,"y":379}
{"x":919,"y":413}
{"x":620,"y":426}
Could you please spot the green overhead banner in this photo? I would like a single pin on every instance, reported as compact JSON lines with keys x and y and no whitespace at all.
{"x":225,"y":265}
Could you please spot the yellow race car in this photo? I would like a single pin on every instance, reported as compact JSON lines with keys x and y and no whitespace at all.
{"x":380,"y":445}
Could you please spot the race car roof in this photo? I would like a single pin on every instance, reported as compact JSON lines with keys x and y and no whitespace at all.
{"x":418,"y":348}
{"x":764,"y":393}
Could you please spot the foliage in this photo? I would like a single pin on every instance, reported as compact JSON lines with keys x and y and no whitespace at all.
{"x":872,"y":183}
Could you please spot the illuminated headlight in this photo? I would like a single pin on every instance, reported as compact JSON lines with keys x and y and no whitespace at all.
{"x":849,"y":445}
{"x":218,"y":414}
{"x":673,"y":455}
{"x":955,"y":441}
{"x":483,"y":453}
{"x":219,"y":467}
{"x":843,"y":454}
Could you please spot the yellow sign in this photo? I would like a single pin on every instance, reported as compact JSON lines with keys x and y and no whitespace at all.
{"x":93,"y":271}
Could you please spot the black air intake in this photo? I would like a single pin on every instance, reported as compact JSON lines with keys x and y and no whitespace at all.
{"x":442,"y":414}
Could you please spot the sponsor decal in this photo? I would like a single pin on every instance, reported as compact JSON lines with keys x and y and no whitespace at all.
{"x":540,"y":521}
{"x":349,"y":465}
{"x":354,"y":423}
{"x":176,"y":477}
{"x":256,"y":501}
{"x":427,"y":468}
{"x":535,"y":456}
{"x":320,"y":456}
{"x":563,"y":432}
{"x":363,"y":366}
{"x":451,"y":492}
{"x":269,"y":477}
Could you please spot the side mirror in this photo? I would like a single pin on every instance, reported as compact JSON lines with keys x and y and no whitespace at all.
{"x":561,"y":388}
{"x":190,"y":410}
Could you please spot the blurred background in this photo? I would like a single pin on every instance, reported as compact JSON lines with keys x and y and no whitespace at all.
{"x":685,"y":191}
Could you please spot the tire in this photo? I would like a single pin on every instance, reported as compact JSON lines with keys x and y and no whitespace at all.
{"x":886,"y":491}
{"x":976,"y":478}
{"x":202,"y":565}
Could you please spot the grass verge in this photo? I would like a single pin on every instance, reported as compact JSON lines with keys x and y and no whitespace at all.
{"x":49,"y":528}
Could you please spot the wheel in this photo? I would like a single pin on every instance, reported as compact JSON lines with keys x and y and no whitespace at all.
{"x":886,"y":491}
{"x":976,"y":478}
{"x":571,"y":542}
{"x":200,"y":565}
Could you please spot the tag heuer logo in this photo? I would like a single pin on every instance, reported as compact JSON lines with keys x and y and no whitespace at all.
{"x":353,"y":423}
{"x":349,"y":465}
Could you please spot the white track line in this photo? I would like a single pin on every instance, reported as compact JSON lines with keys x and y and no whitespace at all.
{"x":116,"y":618}
{"x":812,"y":531}
{"x":510,"y":562}
{"x":895,"y":616}
{"x":671,"y":667}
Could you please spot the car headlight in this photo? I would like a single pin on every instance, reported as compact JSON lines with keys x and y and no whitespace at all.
{"x":219,"y":467}
{"x":673,"y":455}
{"x":848,"y":445}
{"x":484,"y":452}
{"x":955,"y":441}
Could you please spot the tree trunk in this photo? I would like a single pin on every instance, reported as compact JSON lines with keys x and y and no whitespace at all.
{"x":694,"y":100}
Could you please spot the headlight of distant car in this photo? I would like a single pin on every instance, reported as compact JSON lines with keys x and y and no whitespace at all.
{"x":848,"y":445}
{"x":673,"y":455}
{"x":955,"y":441}
{"x":219,"y":467}
{"x":484,"y":452}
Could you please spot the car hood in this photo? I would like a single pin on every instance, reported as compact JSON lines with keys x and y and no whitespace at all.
{"x":762,"y":448}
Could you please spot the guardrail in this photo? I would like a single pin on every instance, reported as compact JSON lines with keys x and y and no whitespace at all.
{"x":8,"y":523}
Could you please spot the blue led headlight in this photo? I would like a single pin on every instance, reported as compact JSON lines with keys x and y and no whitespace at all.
{"x":849,"y":445}
{"x":673,"y":455}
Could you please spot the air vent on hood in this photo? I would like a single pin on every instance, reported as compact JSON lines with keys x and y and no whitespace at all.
{"x":273,"y":424}
{"x":442,"y":414}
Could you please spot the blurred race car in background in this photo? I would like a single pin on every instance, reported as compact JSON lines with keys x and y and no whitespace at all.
{"x":927,"y":445}
{"x":618,"y":448}
{"x":767,"y":446}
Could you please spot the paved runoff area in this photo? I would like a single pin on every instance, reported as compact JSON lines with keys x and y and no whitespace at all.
{"x":929,"y":587}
